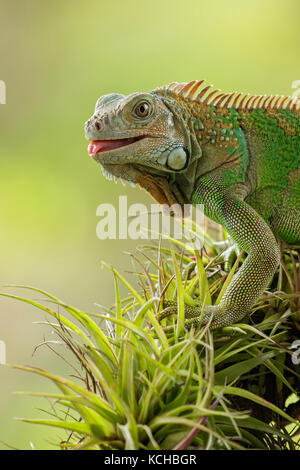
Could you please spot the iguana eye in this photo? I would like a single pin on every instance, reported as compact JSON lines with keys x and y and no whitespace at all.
{"x":142,"y":109}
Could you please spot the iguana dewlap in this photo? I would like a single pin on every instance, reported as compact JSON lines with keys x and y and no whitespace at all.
{"x":237,"y":155}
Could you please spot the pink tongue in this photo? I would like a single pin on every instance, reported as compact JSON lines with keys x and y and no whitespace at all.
{"x":97,"y":146}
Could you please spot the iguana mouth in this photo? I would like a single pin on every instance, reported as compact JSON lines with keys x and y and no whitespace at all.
{"x":153,"y":181}
{"x":100,"y":146}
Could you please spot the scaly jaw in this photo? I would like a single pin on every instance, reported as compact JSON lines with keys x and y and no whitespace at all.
{"x":115,"y":178}
{"x":104,"y":146}
{"x":156,"y":184}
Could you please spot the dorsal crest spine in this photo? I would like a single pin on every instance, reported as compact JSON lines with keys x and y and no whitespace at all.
{"x":200,"y":92}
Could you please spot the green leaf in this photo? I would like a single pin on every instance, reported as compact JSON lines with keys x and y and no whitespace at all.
{"x":203,"y":281}
{"x":257,"y":399}
{"x":234,"y":372}
{"x":228,"y":279}
{"x":81,"y":428}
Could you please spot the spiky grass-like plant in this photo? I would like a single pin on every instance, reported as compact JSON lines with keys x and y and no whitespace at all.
{"x":143,"y":386}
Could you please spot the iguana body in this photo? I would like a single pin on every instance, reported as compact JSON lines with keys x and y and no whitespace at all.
{"x":237,"y":155}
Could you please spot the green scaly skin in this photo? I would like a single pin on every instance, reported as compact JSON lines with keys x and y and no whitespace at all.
{"x":239,"y":158}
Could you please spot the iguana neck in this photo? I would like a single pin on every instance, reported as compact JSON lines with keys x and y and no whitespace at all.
{"x":215,"y":140}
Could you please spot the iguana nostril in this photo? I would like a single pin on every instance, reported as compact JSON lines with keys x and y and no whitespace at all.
{"x":97,"y":125}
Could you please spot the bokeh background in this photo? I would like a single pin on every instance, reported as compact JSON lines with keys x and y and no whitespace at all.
{"x":56,"y":58}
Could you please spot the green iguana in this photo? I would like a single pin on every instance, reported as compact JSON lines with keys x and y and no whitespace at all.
{"x":237,"y":155}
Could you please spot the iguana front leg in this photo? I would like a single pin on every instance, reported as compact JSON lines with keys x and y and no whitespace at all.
{"x":252,"y":234}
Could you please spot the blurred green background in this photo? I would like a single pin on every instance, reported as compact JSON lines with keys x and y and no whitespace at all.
{"x":57,"y":58}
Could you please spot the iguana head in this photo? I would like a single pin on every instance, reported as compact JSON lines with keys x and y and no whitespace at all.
{"x":141,"y":138}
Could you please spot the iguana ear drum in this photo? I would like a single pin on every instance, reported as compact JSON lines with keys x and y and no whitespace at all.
{"x":178,"y":159}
